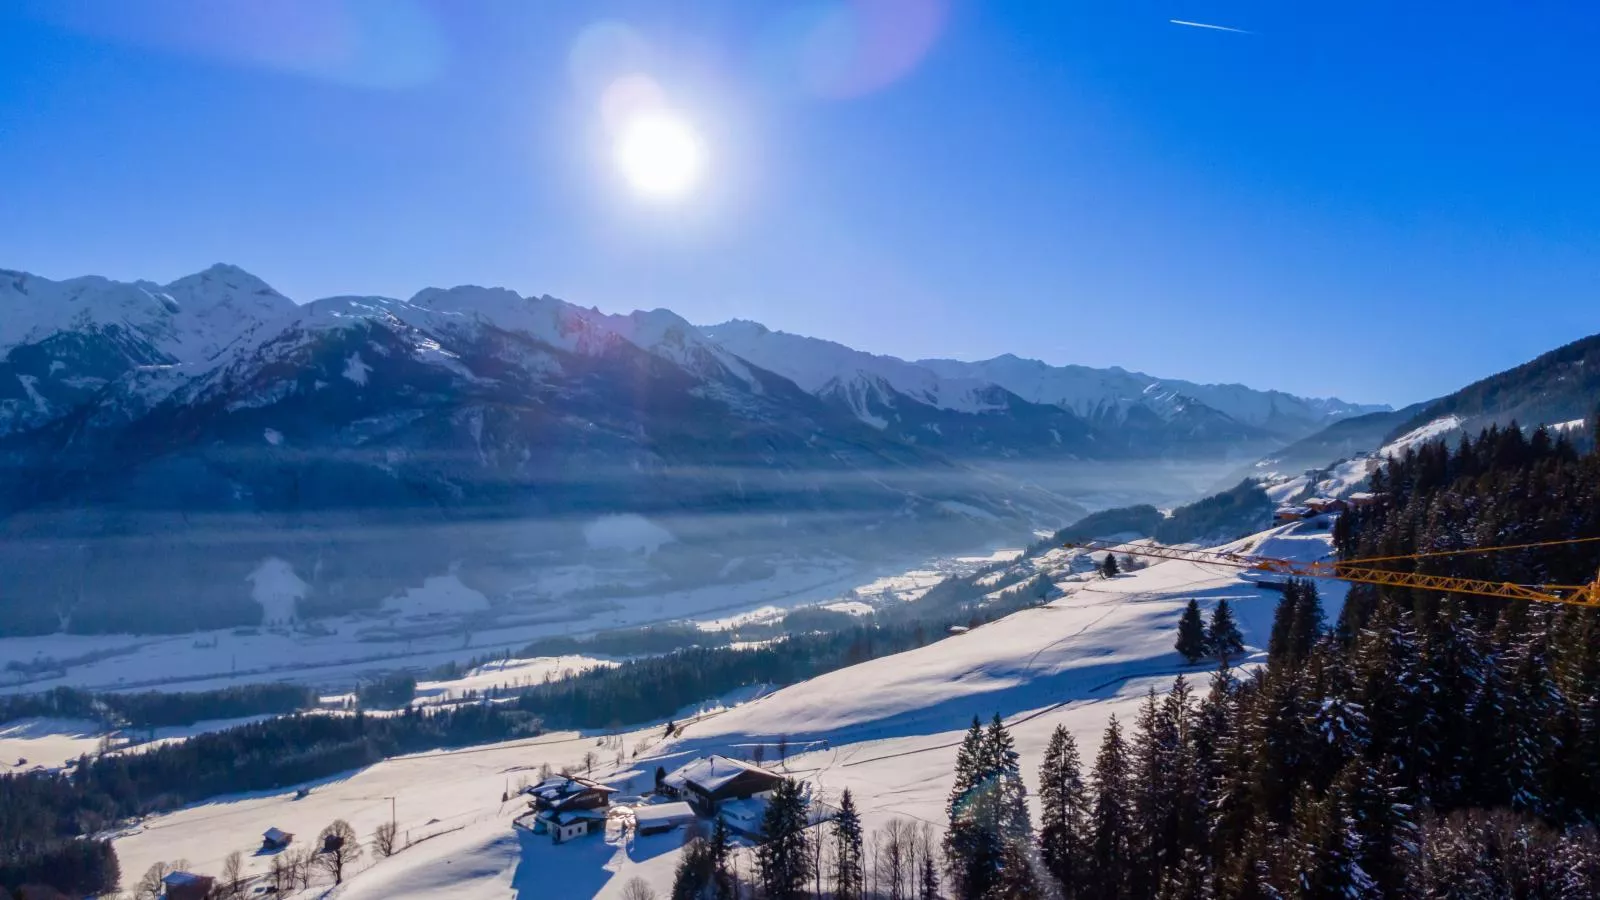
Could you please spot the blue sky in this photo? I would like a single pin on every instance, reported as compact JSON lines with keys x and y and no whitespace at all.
{"x":1375,"y":200}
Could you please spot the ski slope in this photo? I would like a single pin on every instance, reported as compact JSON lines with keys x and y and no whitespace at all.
{"x":887,"y":729}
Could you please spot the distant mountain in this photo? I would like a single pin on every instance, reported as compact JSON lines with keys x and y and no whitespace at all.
{"x":206,"y":453}
{"x":338,"y":452}
{"x":1560,"y":386}
{"x":1100,"y":394}
{"x":1111,"y":413}
{"x":1555,"y":388}
{"x":62,"y":342}
{"x":1341,"y":440}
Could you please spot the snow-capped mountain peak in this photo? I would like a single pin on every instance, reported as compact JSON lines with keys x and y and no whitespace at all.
{"x":187,"y":320}
{"x":826,"y":368}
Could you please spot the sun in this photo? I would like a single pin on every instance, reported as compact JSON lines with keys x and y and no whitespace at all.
{"x":660,"y":154}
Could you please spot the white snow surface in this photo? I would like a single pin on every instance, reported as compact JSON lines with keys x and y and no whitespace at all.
{"x":887,"y":729}
{"x":505,"y":674}
{"x":1419,"y":436}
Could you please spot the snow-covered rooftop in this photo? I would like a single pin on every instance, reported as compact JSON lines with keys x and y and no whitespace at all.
{"x":712,"y":772}
{"x":662,"y":814}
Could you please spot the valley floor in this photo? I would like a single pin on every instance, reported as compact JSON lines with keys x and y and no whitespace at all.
{"x":886,"y":729}
{"x":342,"y":651}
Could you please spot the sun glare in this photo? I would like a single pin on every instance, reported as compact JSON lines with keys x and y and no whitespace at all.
{"x":660,"y":154}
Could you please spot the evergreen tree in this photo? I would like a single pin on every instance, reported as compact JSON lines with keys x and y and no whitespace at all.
{"x":696,"y":870}
{"x":784,"y":857}
{"x":1188,"y":824}
{"x":1017,"y":879}
{"x":723,"y":884}
{"x":1109,"y":567}
{"x":1308,"y":623}
{"x":1390,"y":686}
{"x":1004,"y":770}
{"x":930,"y":878}
{"x":1527,"y":727}
{"x":1223,"y":639}
{"x":848,"y":874}
{"x":1191,"y":643}
{"x":1063,"y":814}
{"x":1155,"y":779}
{"x":972,"y":845}
{"x":1383,"y":824}
{"x":1328,"y":863}
{"x":1111,"y":818}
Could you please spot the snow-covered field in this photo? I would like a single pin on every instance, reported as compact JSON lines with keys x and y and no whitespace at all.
{"x":507,"y":673}
{"x":50,"y":743}
{"x":887,"y":729}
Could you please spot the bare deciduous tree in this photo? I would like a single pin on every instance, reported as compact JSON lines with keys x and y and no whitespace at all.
{"x":637,"y":889}
{"x":149,"y":886}
{"x":232,"y":874}
{"x":302,"y":865}
{"x":589,"y":760}
{"x":280,"y":874}
{"x":898,"y":858}
{"x":338,"y":847}
{"x":383,"y":839}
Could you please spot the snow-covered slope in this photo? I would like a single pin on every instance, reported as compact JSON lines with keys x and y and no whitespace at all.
{"x":886,"y":729}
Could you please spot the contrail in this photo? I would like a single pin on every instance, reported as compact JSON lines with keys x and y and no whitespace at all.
{"x":1212,"y":27}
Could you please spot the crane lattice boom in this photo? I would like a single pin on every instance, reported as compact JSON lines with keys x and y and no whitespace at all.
{"x":1363,"y":572}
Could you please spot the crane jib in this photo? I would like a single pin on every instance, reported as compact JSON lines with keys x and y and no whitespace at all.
{"x":1361,"y":572}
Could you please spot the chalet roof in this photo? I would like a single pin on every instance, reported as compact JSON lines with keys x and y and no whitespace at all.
{"x":661,"y":814}
{"x":555,"y":788}
{"x":174,"y":879}
{"x":1362,"y":496}
{"x":276,"y":836}
{"x":709,"y":773}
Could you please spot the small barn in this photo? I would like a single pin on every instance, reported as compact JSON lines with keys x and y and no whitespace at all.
{"x":710,"y":781}
{"x":566,"y":825}
{"x":274,"y":839}
{"x":187,"y":886}
{"x":659,"y":818}
{"x":1322,"y":505}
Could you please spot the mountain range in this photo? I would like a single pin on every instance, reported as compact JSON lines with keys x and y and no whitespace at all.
{"x":162,"y":443}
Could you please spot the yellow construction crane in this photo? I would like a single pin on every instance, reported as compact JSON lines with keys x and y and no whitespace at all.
{"x":1363,"y":571}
